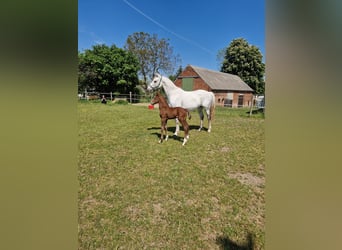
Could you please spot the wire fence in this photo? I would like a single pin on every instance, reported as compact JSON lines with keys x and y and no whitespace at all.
{"x":131,"y":97}
{"x":258,"y":101}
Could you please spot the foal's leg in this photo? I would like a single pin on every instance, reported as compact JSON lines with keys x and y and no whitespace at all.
{"x":161,"y":132}
{"x":186,"y":130}
{"x":200,"y":112}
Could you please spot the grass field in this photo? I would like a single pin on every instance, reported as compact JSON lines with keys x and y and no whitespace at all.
{"x":135,"y":193}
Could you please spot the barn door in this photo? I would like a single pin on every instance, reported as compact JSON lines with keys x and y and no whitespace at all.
{"x":188,"y":84}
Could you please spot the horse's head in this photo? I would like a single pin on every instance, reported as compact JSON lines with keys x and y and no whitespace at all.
{"x":156,"y":82}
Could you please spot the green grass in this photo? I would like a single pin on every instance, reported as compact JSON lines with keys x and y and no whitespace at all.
{"x":138,"y":194}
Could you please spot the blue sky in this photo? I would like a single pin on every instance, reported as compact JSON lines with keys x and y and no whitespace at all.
{"x":196,"y":30}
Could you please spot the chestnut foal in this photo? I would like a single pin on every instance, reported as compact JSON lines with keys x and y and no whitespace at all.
{"x":166,"y":112}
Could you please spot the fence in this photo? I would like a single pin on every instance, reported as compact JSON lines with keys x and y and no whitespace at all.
{"x":131,"y":97}
{"x":258,"y":101}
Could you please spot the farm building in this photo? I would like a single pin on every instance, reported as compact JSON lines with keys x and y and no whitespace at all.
{"x":229,"y":90}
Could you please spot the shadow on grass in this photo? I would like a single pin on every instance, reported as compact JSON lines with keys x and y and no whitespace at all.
{"x":259,"y":111}
{"x":173,"y":128}
{"x":178,"y":138}
{"x":256,"y":111}
{"x":227,"y":244}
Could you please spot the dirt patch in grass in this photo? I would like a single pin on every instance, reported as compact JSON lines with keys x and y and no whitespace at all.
{"x":133,"y":213}
{"x":225,"y":149}
{"x":249,"y":179}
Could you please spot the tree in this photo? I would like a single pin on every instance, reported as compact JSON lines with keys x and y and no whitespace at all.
{"x":107,"y":69}
{"x":174,"y":77}
{"x":153,"y":53}
{"x":245,"y":61}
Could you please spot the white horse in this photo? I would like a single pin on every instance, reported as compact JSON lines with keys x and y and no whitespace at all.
{"x":190,"y":100}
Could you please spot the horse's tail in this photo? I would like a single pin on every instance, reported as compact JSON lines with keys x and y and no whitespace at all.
{"x":212,"y":108}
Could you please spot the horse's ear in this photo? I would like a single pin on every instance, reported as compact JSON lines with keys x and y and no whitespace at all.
{"x":156,"y":72}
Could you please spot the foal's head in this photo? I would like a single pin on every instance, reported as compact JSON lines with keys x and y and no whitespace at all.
{"x":159,"y":98}
{"x":156,"y":99}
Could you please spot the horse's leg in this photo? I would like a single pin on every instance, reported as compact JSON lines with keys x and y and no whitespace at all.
{"x":177,"y":127}
{"x":200,"y":112}
{"x":208,"y":111}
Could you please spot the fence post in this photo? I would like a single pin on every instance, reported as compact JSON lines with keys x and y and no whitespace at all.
{"x":111,"y":96}
{"x":252,"y":104}
{"x":130,"y":97}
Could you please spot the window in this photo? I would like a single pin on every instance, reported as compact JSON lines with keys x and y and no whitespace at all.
{"x":240,"y":101}
{"x":229,"y":101}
